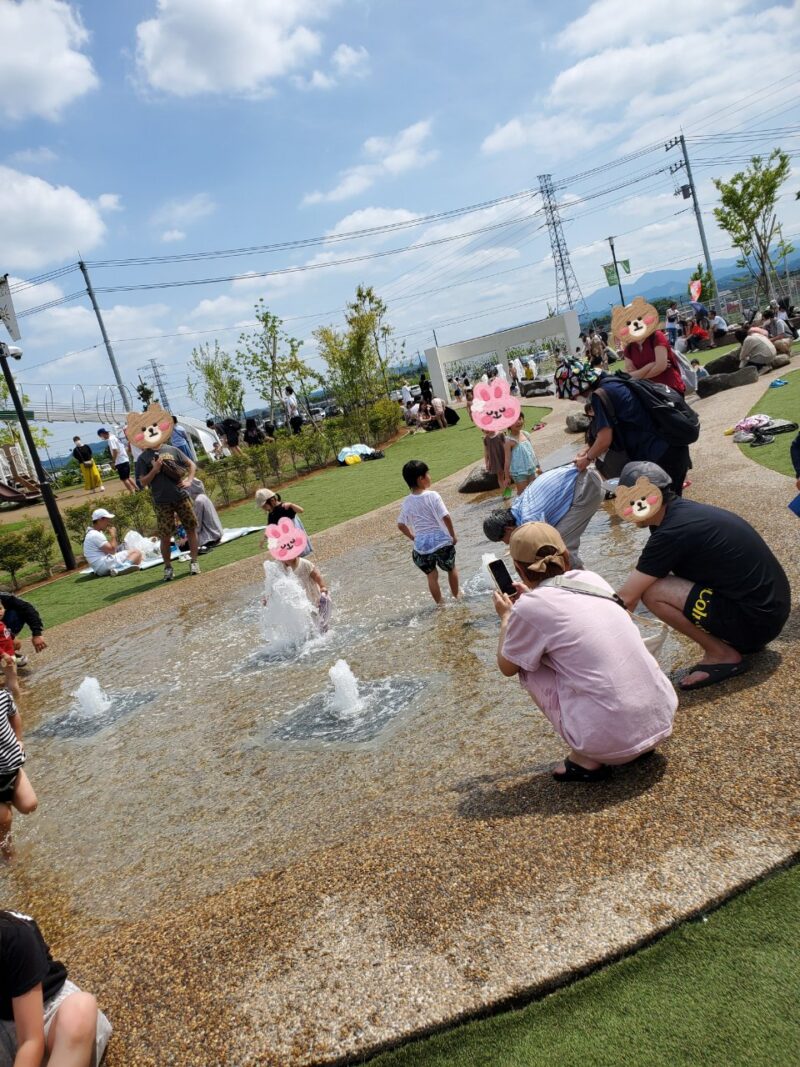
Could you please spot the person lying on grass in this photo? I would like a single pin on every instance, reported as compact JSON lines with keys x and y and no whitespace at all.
{"x":581,"y":657}
{"x":705,"y":572}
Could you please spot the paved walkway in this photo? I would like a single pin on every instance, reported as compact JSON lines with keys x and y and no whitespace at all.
{"x":426,"y":918}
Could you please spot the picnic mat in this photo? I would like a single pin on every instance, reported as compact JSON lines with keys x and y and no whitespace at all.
{"x":227,"y":535}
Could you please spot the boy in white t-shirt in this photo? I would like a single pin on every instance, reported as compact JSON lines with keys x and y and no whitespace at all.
{"x":425,"y":520}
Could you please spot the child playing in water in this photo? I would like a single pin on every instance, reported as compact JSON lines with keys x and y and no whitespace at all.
{"x":312,"y":584}
{"x":15,"y":787}
{"x":521,"y":464}
{"x":425,"y":520}
{"x":9,"y":646}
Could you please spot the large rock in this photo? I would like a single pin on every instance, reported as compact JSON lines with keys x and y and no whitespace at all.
{"x":577,"y":423}
{"x":726,"y":364}
{"x":717,"y":383}
{"x":536,"y":387}
{"x":784,"y":349}
{"x":479,"y":480}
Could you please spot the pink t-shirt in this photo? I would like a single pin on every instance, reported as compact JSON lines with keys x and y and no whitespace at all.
{"x":583,"y":661}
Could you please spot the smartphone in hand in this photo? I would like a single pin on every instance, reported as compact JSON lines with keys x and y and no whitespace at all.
{"x":501,"y":577}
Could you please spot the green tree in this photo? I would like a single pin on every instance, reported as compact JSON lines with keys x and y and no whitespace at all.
{"x":747,"y":213}
{"x":41,"y":544}
{"x":13,"y":555}
{"x":145,"y":394}
{"x":369,"y":305}
{"x":700,"y":274}
{"x":270,"y":360}
{"x":9,"y":428}
{"x":214,"y":382}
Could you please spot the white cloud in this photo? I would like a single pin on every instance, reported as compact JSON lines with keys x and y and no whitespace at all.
{"x":392,"y":155}
{"x":42,"y":223}
{"x":33,"y":157}
{"x":639,"y":83}
{"x":612,"y":22}
{"x":368,"y":218}
{"x":226,"y":46}
{"x":176,"y":216}
{"x":42,"y":69}
{"x":347,"y":64}
{"x":109,"y":202}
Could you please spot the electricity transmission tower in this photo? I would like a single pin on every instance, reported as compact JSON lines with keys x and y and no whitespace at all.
{"x":154,"y":372}
{"x":568,"y":292}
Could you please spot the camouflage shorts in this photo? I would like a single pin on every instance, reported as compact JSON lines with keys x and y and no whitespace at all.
{"x":166,"y":515}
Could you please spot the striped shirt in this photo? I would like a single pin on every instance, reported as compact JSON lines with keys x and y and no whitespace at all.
{"x":11,"y":755}
{"x":548,"y":499}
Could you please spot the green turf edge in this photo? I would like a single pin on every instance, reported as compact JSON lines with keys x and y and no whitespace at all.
{"x":329,"y":496}
{"x":700,"y":993}
{"x":782,"y":403}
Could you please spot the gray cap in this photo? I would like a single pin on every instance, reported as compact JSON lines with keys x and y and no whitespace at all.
{"x":641,"y":468}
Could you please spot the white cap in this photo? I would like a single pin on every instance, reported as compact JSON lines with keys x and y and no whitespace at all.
{"x":101,"y":513}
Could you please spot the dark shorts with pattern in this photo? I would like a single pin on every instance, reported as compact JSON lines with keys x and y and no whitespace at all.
{"x":444,"y":558}
{"x":123,"y":471}
{"x":727,"y":620}
{"x":7,"y":783}
{"x":166,"y":517}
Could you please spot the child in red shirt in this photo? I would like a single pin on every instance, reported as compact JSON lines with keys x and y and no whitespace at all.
{"x":8,"y":651}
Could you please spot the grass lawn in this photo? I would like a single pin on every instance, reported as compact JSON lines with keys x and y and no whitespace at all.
{"x":724,"y":991}
{"x":329,"y":497}
{"x":783,"y":403}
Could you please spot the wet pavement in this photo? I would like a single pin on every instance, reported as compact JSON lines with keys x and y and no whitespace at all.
{"x":244,"y":875}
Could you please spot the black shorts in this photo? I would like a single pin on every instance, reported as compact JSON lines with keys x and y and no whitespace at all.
{"x":725,"y":619}
{"x":123,"y":471}
{"x":7,"y":783}
{"x":444,"y":558}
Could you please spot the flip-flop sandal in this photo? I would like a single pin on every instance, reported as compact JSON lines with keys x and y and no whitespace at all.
{"x":717,"y":672}
{"x":539,"y":426}
{"x":763,"y":439}
{"x":573,"y":772}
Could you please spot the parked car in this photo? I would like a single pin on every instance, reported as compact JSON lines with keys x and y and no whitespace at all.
{"x":317,"y":413}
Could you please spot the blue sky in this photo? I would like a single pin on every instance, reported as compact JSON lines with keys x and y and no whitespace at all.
{"x":160,"y":127}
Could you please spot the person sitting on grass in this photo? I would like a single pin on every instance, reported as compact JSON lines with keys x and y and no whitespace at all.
{"x":699,"y":370}
{"x":15,"y":787}
{"x":44,"y":1017}
{"x":706,"y":573}
{"x":425,"y":520}
{"x":582,"y":659}
{"x":101,"y":548}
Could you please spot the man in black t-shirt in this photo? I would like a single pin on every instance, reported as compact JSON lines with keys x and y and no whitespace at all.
{"x":706,"y":573}
{"x":34,"y":993}
{"x":168,"y":472}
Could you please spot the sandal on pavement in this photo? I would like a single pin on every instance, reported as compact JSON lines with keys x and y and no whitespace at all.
{"x":717,"y":672}
{"x":573,"y":772}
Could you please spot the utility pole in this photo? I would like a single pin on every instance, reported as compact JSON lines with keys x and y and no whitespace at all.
{"x":45,"y":488}
{"x":159,"y":384}
{"x":681,"y":191}
{"x":616,"y":269}
{"x":111,"y":357}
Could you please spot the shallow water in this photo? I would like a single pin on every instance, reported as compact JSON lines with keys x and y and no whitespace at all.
{"x":217,"y":759}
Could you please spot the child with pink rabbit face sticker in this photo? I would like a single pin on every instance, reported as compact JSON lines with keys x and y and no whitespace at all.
{"x":286,"y":541}
{"x":494,"y":408}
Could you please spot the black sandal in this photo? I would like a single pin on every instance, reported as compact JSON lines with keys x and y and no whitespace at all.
{"x":573,"y":772}
{"x":717,"y":672}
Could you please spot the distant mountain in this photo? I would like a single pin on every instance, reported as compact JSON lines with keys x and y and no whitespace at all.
{"x":666,"y":283}
{"x":55,"y":463}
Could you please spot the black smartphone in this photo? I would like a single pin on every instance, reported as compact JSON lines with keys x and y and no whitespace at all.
{"x":502,"y":578}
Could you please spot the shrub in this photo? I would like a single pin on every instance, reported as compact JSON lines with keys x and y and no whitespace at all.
{"x":78,"y":519}
{"x":261,"y":462}
{"x":135,"y":512}
{"x":13,"y":555}
{"x":222,"y":473}
{"x":241,"y":472}
{"x":40,"y":543}
{"x":275,"y":456}
{"x":384,"y":417}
